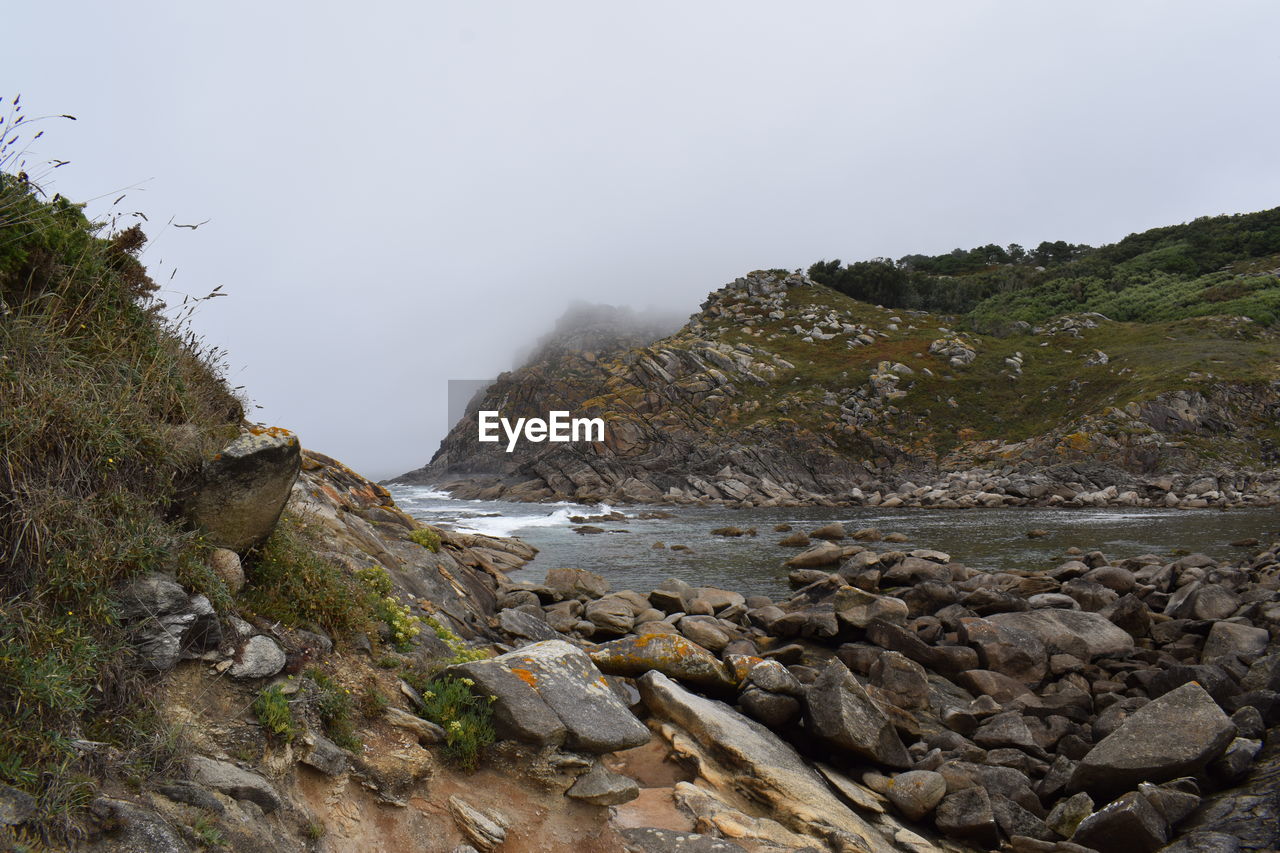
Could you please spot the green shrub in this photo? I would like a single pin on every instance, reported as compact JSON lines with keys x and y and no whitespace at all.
{"x":271,"y":707}
{"x":462,"y":653}
{"x":290,"y":583}
{"x":332,"y":703}
{"x":108,"y":407}
{"x":467,"y":719}
{"x":427,"y":538}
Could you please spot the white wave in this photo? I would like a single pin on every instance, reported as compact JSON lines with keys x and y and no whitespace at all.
{"x":508,"y":525}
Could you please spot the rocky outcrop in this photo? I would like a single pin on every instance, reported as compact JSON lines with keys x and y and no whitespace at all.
{"x":783,"y":392}
{"x":243,"y":488}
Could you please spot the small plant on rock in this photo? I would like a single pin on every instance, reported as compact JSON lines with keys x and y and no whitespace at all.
{"x":466,"y":718}
{"x":427,"y":538}
{"x":273,"y":712}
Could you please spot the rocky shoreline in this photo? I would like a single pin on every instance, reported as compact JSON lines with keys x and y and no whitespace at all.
{"x":1068,"y":487}
{"x":902,"y":701}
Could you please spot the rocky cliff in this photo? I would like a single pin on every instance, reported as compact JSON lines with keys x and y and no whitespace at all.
{"x":782,"y":390}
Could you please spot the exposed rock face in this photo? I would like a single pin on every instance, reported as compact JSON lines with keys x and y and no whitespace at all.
{"x":715,"y":412}
{"x":550,"y":692}
{"x":1175,"y":735}
{"x":164,"y":621}
{"x":244,"y":487}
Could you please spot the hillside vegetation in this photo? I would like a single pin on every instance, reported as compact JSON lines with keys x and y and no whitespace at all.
{"x":1213,"y":265}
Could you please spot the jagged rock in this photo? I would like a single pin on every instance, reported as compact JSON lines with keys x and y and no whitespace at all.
{"x":244,"y":487}
{"x":1174,"y":805}
{"x":226,"y":778}
{"x":260,"y":657}
{"x":600,"y":786}
{"x":157,"y":613}
{"x":1074,"y":632}
{"x":1066,"y":815}
{"x":1234,"y":763}
{"x":1127,"y":825}
{"x":486,"y":830}
{"x":1174,"y":735}
{"x":648,"y":839}
{"x":774,"y":677}
{"x":551,"y":692}
{"x":966,"y":815}
{"x":916,"y":792}
{"x":669,"y":654}
{"x":840,"y":713}
{"x":737,"y":753}
{"x":901,"y":680}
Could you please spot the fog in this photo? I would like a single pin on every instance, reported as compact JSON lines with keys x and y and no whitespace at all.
{"x":400,"y":194}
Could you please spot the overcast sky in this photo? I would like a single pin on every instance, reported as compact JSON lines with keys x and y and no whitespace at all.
{"x":401,"y":194}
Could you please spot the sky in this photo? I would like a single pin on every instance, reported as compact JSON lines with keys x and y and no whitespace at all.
{"x":399,"y":194}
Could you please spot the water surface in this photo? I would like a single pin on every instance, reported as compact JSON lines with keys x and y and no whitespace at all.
{"x":981,"y":538}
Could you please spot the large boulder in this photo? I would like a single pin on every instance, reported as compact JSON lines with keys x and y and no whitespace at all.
{"x":1080,"y":633}
{"x":551,"y":693}
{"x":1175,"y":735}
{"x":840,"y":713}
{"x":243,"y":488}
{"x":670,"y":654}
{"x":741,"y":755}
{"x":1005,"y":649}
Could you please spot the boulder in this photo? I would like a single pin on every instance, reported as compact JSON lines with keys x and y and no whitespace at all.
{"x":856,"y":608}
{"x":841,"y":714}
{"x":916,"y":792}
{"x":822,"y":554}
{"x":243,"y":488}
{"x":600,"y":786}
{"x":576,"y":583}
{"x":966,"y":815}
{"x":1232,"y":638}
{"x":1074,"y":632}
{"x":1128,"y":825}
{"x":1005,"y":649}
{"x":834,"y":530}
{"x":551,"y":692}
{"x":517,"y":623}
{"x":610,"y":615}
{"x":670,"y":654}
{"x":1174,"y":735}
{"x":259,"y":657}
{"x":900,"y":680}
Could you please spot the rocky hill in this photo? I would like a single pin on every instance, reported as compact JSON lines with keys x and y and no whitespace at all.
{"x":783,"y":390}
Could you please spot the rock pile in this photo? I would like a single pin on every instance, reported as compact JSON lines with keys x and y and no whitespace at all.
{"x":901,"y":696}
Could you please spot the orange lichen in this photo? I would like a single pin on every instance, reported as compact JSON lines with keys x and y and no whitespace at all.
{"x":526,"y":676}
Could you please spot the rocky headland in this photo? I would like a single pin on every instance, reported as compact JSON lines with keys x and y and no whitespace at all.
{"x":782,"y":391}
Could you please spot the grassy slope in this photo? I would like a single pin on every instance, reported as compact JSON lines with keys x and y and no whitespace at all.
{"x":1055,"y":388}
